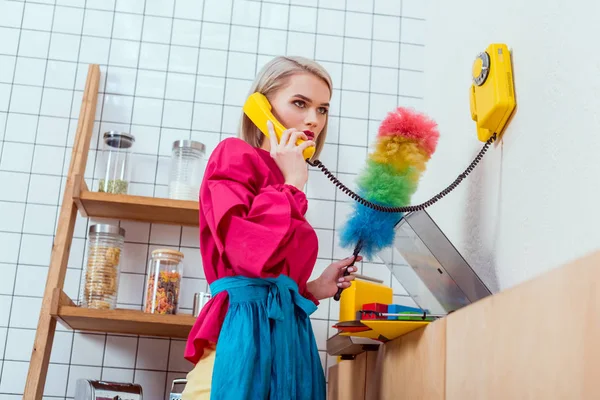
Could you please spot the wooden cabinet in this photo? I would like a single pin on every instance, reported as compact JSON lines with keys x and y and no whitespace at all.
{"x":413,"y":366}
{"x":410,"y":367}
{"x":352,"y":379}
{"x":539,"y":340}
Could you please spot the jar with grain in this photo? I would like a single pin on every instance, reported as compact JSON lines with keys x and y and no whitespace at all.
{"x":114,"y":162}
{"x":186,"y":170}
{"x":100,"y":282}
{"x":164,"y":282}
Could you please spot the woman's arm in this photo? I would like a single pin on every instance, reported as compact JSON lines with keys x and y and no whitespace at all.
{"x":248,"y":220}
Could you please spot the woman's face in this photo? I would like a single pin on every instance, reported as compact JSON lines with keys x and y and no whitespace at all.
{"x":303,"y":104}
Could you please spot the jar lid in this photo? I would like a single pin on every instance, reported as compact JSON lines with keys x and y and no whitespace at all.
{"x":168,"y":251}
{"x":189,"y":143}
{"x":120,"y":140}
{"x":106,"y":228}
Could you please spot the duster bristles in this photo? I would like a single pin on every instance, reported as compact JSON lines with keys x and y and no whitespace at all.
{"x":405,"y":142}
{"x":410,"y":125}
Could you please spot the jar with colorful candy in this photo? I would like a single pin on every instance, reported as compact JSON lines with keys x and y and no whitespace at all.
{"x":164,"y":282}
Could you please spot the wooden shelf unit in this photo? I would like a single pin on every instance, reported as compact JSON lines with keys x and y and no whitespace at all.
{"x":56,"y":305}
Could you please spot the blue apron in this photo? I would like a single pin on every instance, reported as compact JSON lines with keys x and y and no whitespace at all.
{"x":266,"y":348}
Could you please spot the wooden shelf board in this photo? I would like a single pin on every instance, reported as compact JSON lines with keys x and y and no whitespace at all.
{"x":138,"y":208}
{"x":125,"y":321}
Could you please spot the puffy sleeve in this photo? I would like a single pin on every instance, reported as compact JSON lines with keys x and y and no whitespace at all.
{"x":248,"y":220}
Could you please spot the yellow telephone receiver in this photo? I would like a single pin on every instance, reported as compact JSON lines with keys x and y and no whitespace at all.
{"x":258,"y":109}
{"x":492,"y":92}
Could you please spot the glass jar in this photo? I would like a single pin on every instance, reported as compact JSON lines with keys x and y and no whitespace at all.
{"x":187,"y":169}
{"x":164,"y":282}
{"x":116,"y":171}
{"x":100,"y":282}
{"x":176,"y":394}
{"x":200,"y":300}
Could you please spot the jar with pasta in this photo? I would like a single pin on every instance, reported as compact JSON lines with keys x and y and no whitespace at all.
{"x":164,"y":282}
{"x":100,"y":282}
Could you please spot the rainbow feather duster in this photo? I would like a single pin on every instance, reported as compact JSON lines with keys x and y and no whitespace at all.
{"x":405,"y":142}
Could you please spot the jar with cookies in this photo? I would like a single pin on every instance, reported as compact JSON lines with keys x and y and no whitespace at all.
{"x":164,"y":282}
{"x":100,"y":282}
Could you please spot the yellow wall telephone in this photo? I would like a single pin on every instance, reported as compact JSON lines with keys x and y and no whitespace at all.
{"x":258,"y":109}
{"x":492,"y":92}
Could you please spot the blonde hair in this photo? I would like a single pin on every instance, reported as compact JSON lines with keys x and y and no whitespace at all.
{"x":271,"y":78}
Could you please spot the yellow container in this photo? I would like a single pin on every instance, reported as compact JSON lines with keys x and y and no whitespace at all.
{"x":362,"y":292}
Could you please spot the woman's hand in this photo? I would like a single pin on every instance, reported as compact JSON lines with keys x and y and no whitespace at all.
{"x":332,"y":278}
{"x":288,"y":156}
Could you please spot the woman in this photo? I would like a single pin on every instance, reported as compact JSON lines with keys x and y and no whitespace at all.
{"x":258,"y":250}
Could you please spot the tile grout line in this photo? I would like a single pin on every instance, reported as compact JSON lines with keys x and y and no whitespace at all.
{"x":114,"y":334}
{"x":391,"y":275}
{"x":65,"y":180}
{"x":153,"y":154}
{"x":331,"y":300}
{"x":140,"y":273}
{"x":328,"y":300}
{"x":145,"y":69}
{"x":209,"y":48}
{"x":256,"y":70}
{"x":28,"y":183}
{"x":98,"y":149}
{"x":20,"y":30}
{"x":314,"y":58}
{"x":190,"y":19}
{"x":221,"y":136}
{"x":141,"y":42}
{"x":99,"y":132}
{"x":47,"y":235}
{"x":167,"y":391}
{"x":99,"y":366}
{"x":399,"y":52}
{"x":197,"y":66}
{"x":206,"y":103}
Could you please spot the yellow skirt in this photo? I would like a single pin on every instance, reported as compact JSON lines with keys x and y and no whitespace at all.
{"x":199,"y":379}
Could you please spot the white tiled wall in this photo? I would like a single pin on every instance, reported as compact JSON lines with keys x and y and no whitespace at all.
{"x":170,"y":69}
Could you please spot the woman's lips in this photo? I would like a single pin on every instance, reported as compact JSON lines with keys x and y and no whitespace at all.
{"x":310,"y":135}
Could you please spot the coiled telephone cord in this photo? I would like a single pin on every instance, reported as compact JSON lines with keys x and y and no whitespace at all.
{"x":405,"y":209}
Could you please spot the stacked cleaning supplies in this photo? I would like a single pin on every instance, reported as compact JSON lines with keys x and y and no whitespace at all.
{"x":391,"y":312}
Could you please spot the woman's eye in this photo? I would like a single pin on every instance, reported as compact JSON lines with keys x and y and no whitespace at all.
{"x":299,"y":103}
{"x":323,"y":110}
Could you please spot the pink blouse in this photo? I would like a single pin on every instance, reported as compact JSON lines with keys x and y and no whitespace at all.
{"x":251,"y":224}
